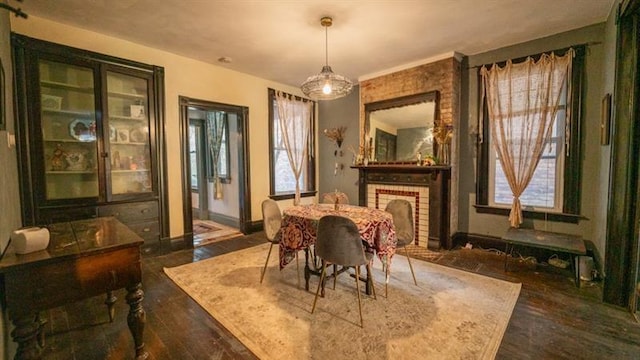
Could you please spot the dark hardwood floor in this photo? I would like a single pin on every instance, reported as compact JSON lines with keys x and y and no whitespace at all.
{"x":553,"y":319}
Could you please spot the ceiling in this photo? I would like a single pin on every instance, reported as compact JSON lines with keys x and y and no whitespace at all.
{"x":283,"y":41}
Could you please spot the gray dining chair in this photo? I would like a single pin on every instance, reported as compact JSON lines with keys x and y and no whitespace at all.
{"x":272,"y":218}
{"x":400,"y":210}
{"x":338,"y":243}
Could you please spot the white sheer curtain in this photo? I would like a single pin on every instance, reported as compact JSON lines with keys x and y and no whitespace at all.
{"x":522,"y":101}
{"x":295,"y":123}
{"x":216,"y":123}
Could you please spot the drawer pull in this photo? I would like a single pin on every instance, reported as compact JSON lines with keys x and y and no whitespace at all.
{"x":146,"y":229}
{"x":116,"y":214}
{"x":144,"y":211}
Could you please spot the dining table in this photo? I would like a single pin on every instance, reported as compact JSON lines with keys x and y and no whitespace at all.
{"x":299,"y":231}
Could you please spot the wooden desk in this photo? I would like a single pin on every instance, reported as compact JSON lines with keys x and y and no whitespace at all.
{"x":565,"y":243}
{"x":85,"y":258}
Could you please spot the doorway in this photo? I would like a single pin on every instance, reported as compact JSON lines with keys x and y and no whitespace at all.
{"x":214,"y":140}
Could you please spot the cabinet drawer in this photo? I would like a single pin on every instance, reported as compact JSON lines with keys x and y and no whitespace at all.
{"x":132,"y":212}
{"x":148,"y":230}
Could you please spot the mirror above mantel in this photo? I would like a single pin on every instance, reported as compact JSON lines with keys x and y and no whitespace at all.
{"x":396,"y":130}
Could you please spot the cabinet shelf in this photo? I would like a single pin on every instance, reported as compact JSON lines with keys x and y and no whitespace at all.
{"x":70,"y":141}
{"x":65,"y":86}
{"x":85,"y":114}
{"x":125,"y":95}
{"x":127,"y":118}
{"x":129,"y":171}
{"x":129,"y":143}
{"x":70,"y":172}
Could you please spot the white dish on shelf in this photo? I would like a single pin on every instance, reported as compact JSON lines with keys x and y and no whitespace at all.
{"x":83,"y":130}
{"x":113,"y":134}
{"x":51,"y":102}
{"x":139,"y":135}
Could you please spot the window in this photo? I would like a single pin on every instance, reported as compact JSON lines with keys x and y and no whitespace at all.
{"x":283,"y":183}
{"x":554,"y":189}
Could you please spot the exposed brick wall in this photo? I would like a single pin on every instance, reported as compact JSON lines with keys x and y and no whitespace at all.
{"x":443,"y":75}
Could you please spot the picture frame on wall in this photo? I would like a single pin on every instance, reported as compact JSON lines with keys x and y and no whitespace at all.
{"x":605,"y":120}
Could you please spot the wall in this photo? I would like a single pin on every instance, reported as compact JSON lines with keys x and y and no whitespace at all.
{"x":441,"y":75}
{"x":332,"y":114}
{"x":595,"y":166}
{"x":186,"y":77}
{"x":9,"y":186}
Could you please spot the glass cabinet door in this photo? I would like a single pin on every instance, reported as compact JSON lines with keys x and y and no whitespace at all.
{"x":68,"y":125}
{"x":128,"y":140}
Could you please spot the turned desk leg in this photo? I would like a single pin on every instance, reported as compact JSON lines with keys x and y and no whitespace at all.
{"x":136,"y":318}
{"x":110,"y":301}
{"x":26,"y":335}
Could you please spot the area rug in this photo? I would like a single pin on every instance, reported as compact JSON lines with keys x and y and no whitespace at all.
{"x":451,"y":314}
{"x":207,"y":232}
{"x":202,"y":228}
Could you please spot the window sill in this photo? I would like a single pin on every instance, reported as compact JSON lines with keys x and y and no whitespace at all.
{"x":527,"y":214}
{"x":285,"y":196}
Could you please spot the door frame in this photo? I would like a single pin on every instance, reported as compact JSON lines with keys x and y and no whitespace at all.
{"x":622,"y":252}
{"x":243,"y":175}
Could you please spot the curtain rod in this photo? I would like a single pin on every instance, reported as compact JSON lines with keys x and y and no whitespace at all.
{"x":17,"y":11}
{"x":587,"y":44}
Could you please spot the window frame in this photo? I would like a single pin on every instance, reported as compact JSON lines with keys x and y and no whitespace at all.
{"x":224,"y":178}
{"x":572,"y":173}
{"x":311,"y":160}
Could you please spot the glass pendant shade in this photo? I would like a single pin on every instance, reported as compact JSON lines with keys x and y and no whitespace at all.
{"x":326,"y":85}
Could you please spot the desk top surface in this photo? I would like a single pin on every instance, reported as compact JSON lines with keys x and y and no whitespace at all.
{"x":544,"y":239}
{"x":76,"y":239}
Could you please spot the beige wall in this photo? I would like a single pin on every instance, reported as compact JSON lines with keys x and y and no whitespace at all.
{"x":186,"y":77}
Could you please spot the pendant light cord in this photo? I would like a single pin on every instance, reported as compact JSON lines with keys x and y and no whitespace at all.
{"x":326,"y":45}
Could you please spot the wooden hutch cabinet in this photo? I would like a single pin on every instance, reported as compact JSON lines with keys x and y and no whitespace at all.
{"x":89,"y":137}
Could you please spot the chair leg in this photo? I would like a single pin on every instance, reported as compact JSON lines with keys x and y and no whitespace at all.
{"x":315,"y":299}
{"x":410,"y":266}
{"x":358,"y":292}
{"x":370,"y":281}
{"x":264,"y":270}
{"x":335,"y":275}
{"x":298,"y":269}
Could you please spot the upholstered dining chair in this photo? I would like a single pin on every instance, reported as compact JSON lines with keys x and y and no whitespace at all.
{"x":400,"y":210}
{"x":330,"y":198}
{"x":272,"y":218}
{"x":338,"y":243}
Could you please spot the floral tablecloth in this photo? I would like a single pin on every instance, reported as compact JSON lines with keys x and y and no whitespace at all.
{"x":300,"y":225}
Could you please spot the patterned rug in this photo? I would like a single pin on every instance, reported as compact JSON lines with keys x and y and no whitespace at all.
{"x":207,"y":232}
{"x":202,"y":228}
{"x":451,"y":314}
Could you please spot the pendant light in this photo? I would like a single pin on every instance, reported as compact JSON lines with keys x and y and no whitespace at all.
{"x":326,"y":85}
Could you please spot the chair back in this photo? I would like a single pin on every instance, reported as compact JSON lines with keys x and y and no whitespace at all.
{"x":339,"y":241}
{"x":400,"y":209}
{"x":272,"y":218}
{"x":330,"y":198}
